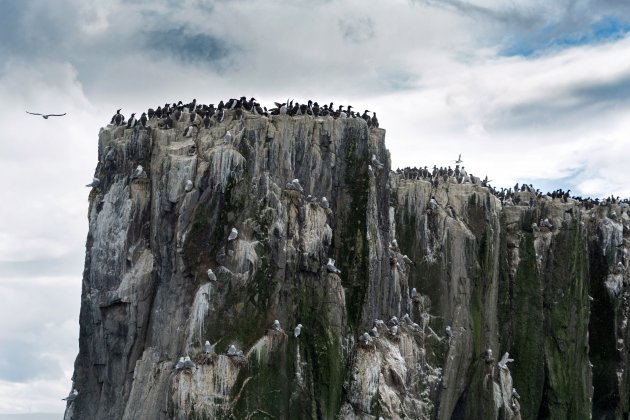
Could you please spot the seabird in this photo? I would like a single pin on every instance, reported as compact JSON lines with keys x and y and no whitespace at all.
{"x":211,"y":275}
{"x":276,"y":326}
{"x":325,"y":204}
{"x":188,"y":131}
{"x":132,"y":120}
{"x":394,"y":330}
{"x":297,"y":330}
{"x":72,"y":395}
{"x":448,"y":331}
{"x":331,"y":266}
{"x":459,"y":159}
{"x":139,"y":173}
{"x":233,"y":234}
{"x":366,"y":338}
{"x":45,"y":116}
{"x":180,"y":363}
{"x":143,"y":119}
{"x":414,"y":293}
{"x":407,"y":319}
{"x":95,"y":183}
{"x":393,"y":320}
{"x":374,"y":332}
{"x":189,"y":185}
{"x":228,"y":137}
{"x":189,"y":364}
{"x":376,"y":162}
{"x":433,"y":203}
{"x":515,"y":394}
{"x":505,"y":360}
{"x":295,"y":185}
{"x":232,"y":351}
{"x":208,"y":348}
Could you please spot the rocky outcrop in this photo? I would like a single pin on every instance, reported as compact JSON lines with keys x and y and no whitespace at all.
{"x":486,"y":278}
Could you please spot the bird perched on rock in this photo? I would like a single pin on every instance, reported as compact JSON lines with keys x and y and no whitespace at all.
{"x":295,"y":185}
{"x":233,"y":234}
{"x":45,"y":116}
{"x":228,"y":137}
{"x":331,"y":266}
{"x":407,"y":319}
{"x":393,"y":330}
{"x":139,"y":173}
{"x":189,"y":364}
{"x":433,"y":204}
{"x":297,"y":330}
{"x":180,"y":363}
{"x":188,"y":132}
{"x":505,"y":360}
{"x":374,"y":332}
{"x":366,"y":338}
{"x":414,"y":293}
{"x":448,"y":331}
{"x":393,"y":320}
{"x":71,"y":396}
{"x":132,"y":121}
{"x":276,"y":326}
{"x":376,"y":162}
{"x":232,"y":350}
{"x":407,"y":260}
{"x":189,"y":185}
{"x":208,"y":348}
{"x":325,"y":204}
{"x":211,"y":275}
{"x":515,"y":394}
{"x":95,"y":183}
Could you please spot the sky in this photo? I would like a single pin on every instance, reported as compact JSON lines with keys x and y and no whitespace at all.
{"x":532,"y":91}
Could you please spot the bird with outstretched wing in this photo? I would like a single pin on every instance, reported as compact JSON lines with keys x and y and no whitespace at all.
{"x":45,"y":116}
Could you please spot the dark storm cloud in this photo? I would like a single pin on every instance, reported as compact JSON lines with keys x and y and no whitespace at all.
{"x":190,"y":47}
{"x":562,"y":108}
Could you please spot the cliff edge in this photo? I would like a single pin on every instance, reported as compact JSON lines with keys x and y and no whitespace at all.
{"x":431,"y":284}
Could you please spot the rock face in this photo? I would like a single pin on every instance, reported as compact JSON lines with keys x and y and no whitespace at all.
{"x":555,"y":298}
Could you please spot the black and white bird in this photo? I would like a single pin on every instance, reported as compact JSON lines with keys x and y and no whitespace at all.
{"x":188,"y":186}
{"x":228,"y":137}
{"x":208,"y":348}
{"x":297,"y":330}
{"x":189,"y":364}
{"x":211,"y":275}
{"x":459,"y":159}
{"x":45,"y":116}
{"x":330,"y":266}
{"x":325,"y":204}
{"x":233,"y":234}
{"x":504,"y":361}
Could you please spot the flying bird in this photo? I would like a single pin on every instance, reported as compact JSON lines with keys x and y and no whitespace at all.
{"x":45,"y":116}
{"x":459,"y":159}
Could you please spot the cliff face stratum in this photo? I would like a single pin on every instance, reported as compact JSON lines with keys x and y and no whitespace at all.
{"x":485,"y":278}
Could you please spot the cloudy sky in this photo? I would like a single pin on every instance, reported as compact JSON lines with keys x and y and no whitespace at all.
{"x":532,"y":91}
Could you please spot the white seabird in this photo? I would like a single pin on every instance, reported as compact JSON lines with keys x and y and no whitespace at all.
{"x":366,"y":338}
{"x":393,"y":320}
{"x":295,"y":185}
{"x":72,"y":395}
{"x":448,"y":331}
{"x":394,"y":330}
{"x":228,"y":137}
{"x":189,"y":364}
{"x":208,"y":348}
{"x":374,"y":332}
{"x":233,"y":234}
{"x":433,"y":204}
{"x":414,"y":293}
{"x":139,"y":173}
{"x":325,"y":204}
{"x":331,"y":266}
{"x":95,"y":183}
{"x":189,"y":185}
{"x":376,"y":162}
{"x":407,"y":319}
{"x":232,"y":351}
{"x":297,"y":330}
{"x":211,"y":275}
{"x":180,"y":363}
{"x":276,"y":326}
{"x":505,"y":360}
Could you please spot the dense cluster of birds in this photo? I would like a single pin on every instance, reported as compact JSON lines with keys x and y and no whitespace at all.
{"x":205,"y":115}
{"x":507,"y":196}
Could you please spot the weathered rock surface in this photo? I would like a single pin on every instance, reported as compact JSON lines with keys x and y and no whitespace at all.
{"x":555,"y":299}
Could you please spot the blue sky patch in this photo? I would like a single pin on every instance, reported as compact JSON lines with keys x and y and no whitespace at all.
{"x":552,"y":37}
